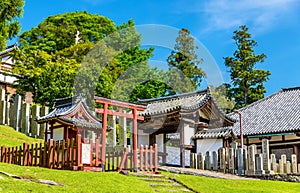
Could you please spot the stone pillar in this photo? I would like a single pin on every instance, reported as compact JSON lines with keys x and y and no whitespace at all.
{"x":231,"y":161}
{"x":17,"y":112}
{"x":2,"y":106}
{"x":259,"y":164}
{"x":251,"y":159}
{"x":215,"y":161}
{"x":11,"y":115}
{"x":266,"y":154}
{"x":7,"y":111}
{"x":123,"y":131}
{"x":35,"y":127}
{"x":283,"y":159}
{"x":193,"y":160}
{"x":245,"y":158}
{"x":43,"y":127}
{"x":222,"y":159}
{"x":281,"y":167}
{"x":294,"y":163}
{"x":114,"y":125}
{"x":207,"y":161}
{"x":273,"y":163}
{"x":240,"y":161}
{"x":288,"y":167}
{"x":200,"y":161}
{"x":25,"y":114}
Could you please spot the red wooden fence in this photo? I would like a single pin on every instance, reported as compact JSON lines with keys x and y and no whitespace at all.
{"x":68,"y":154}
{"x":52,"y":154}
{"x":147,"y":159}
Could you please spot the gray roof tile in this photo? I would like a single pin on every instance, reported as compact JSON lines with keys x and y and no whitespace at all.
{"x":277,"y":113}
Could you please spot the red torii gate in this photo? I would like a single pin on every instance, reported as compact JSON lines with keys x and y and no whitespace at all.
{"x":134,"y":115}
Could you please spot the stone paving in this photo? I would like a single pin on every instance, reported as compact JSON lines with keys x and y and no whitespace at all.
{"x":205,"y":173}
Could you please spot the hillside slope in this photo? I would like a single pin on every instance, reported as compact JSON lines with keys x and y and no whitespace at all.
{"x":10,"y":137}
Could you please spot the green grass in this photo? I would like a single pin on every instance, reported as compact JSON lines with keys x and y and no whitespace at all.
{"x":10,"y":138}
{"x":204,"y":184}
{"x":75,"y":181}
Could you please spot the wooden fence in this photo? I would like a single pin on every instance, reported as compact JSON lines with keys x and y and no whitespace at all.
{"x":52,"y":154}
{"x":77,"y":154}
{"x":147,"y":159}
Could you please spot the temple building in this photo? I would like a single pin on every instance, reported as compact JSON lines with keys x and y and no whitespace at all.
{"x":195,"y":117}
{"x":69,"y":117}
{"x":277,"y":118}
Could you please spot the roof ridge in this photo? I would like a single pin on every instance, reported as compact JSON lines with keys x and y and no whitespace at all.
{"x":291,"y":88}
{"x":203,"y":91}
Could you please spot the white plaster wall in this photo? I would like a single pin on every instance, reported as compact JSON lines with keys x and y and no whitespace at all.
{"x":143,"y":140}
{"x":204,"y":145}
{"x":188,"y":133}
{"x":160,"y":142}
{"x":58,"y":134}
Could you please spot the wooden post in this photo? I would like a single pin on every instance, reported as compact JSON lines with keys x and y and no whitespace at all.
{"x":151,"y":157}
{"x":78,"y":150}
{"x":146,"y":157}
{"x":50,"y":154}
{"x":155,"y":157}
{"x":182,"y":150}
{"x":104,"y":127}
{"x":91,"y":152}
{"x":135,"y":139}
{"x":142,"y":157}
{"x":25,"y":154}
{"x":97,"y":151}
{"x":72,"y":152}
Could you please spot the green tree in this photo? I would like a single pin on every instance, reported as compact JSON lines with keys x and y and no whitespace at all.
{"x":184,"y":64}
{"x":58,"y":32}
{"x":221,"y":97}
{"x":10,"y":10}
{"x":102,"y":54}
{"x":247,"y":81}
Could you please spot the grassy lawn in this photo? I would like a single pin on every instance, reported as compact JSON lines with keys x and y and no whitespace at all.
{"x":9,"y":137}
{"x":204,"y":184}
{"x":75,"y":181}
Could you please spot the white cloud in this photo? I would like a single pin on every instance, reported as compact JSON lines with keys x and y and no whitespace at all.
{"x":260,"y":14}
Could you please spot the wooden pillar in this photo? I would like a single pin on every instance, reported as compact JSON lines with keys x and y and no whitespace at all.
{"x":182,"y":149}
{"x":296,"y":151}
{"x":134,"y":111}
{"x":104,"y":127}
{"x":164,"y":157}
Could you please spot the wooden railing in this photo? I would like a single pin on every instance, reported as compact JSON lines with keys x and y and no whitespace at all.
{"x":52,"y":154}
{"x":147,"y":159}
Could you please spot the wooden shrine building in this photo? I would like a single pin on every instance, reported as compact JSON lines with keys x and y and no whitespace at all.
{"x":186,"y":114}
{"x":69,"y":117}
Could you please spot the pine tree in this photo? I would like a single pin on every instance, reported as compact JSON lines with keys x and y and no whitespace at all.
{"x":184,"y":64}
{"x":247,"y":82}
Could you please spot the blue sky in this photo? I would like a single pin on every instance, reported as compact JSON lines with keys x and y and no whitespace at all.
{"x":274,"y":24}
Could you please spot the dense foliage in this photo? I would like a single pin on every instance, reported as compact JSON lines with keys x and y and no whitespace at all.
{"x":86,"y":48}
{"x":10,"y":10}
{"x":184,"y":64}
{"x":247,"y":82}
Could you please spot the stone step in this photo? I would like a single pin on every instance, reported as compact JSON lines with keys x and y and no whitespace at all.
{"x":167,"y":185}
{"x":156,"y":180}
{"x":149,"y":175}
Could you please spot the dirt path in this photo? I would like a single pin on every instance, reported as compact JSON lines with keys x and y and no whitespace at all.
{"x":203,"y":173}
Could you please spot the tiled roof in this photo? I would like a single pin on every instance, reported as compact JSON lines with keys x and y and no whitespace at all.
{"x":277,"y":113}
{"x":212,"y":133}
{"x":188,"y":101}
{"x":66,"y":107}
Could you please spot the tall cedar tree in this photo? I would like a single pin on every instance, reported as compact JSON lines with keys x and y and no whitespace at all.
{"x":184,"y":65}
{"x":10,"y":10}
{"x":247,"y":81}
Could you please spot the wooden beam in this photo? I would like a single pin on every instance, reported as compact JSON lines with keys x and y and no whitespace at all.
{"x":118,"y":113}
{"x":119,"y":103}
